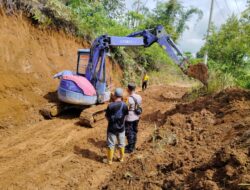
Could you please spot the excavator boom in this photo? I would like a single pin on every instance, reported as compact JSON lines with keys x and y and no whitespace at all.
{"x":145,"y":38}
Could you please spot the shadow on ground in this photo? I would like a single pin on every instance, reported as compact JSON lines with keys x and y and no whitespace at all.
{"x":86,"y":153}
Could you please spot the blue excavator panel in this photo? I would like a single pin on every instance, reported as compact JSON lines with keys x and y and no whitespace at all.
{"x":126,"y":41}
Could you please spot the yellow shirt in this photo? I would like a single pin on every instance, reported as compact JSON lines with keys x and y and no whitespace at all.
{"x":146,"y":77}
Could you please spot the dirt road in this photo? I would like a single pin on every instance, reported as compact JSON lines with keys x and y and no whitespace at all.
{"x":60,"y":154}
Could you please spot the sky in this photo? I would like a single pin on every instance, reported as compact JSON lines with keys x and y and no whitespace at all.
{"x":193,"y":39}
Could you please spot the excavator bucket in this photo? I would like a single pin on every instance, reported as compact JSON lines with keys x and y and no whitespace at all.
{"x":199,"y":72}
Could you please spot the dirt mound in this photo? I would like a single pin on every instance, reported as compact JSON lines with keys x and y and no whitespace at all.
{"x":198,"y":71}
{"x":199,"y":145}
{"x":220,"y":104}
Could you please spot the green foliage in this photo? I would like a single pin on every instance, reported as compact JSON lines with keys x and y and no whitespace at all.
{"x":42,"y":19}
{"x":219,"y":80}
{"x":173,"y":16}
{"x":229,"y":50}
{"x":188,"y":55}
{"x":113,"y":8}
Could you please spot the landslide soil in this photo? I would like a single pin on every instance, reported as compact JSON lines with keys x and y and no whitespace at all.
{"x":204,"y":144}
{"x":51,"y":154}
{"x":199,"y":145}
{"x":60,"y":154}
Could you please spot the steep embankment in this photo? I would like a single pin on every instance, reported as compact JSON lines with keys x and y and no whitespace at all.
{"x":29,"y":57}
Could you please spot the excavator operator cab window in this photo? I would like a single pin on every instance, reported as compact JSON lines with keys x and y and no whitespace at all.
{"x":82,"y":61}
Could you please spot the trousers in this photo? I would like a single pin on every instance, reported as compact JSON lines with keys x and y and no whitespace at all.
{"x":144,"y":85}
{"x":113,"y":138}
{"x":131,"y":129}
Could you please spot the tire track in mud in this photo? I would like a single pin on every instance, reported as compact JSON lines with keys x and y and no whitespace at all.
{"x":59,"y":154}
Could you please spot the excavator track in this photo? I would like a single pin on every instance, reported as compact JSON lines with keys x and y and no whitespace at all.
{"x":91,"y":115}
{"x":55,"y":109}
{"x":51,"y":110}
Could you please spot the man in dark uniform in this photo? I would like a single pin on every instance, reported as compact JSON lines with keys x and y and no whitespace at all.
{"x":115,"y":114}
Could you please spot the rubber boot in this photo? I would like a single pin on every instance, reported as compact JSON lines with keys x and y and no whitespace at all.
{"x":110,"y":155}
{"x":122,"y":152}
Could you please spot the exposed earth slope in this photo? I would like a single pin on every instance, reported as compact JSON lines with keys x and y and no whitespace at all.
{"x":29,"y":57}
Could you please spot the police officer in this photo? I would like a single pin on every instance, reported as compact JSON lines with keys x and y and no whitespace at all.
{"x":132,"y":119}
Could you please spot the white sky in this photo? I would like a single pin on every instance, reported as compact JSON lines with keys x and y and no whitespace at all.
{"x":193,"y":38}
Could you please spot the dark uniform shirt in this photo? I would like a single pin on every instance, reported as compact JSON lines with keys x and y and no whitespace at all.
{"x":112,"y":109}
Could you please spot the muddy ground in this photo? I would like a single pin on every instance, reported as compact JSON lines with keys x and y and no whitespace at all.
{"x":204,"y":144}
{"x":199,"y":145}
{"x":60,"y":154}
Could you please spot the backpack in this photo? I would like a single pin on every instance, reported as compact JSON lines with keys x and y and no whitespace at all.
{"x":138,"y":108}
{"x":116,"y":119}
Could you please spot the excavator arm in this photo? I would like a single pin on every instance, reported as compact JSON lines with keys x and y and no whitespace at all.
{"x":95,"y":71}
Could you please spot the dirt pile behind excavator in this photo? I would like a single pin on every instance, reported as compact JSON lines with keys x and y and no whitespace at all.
{"x":198,"y":71}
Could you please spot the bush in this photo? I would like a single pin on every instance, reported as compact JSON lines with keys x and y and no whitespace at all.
{"x":219,"y":80}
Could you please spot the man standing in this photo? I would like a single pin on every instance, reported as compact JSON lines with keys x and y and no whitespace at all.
{"x":115,"y":114}
{"x":145,"y":81}
{"x":132,"y":120}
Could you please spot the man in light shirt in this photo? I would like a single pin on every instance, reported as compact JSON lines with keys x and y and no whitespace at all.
{"x":132,"y":119}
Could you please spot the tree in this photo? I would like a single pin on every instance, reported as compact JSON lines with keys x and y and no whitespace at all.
{"x":174,"y":16}
{"x":114,"y":8}
{"x":229,"y":50}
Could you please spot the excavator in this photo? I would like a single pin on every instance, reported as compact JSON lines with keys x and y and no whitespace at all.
{"x":87,"y":88}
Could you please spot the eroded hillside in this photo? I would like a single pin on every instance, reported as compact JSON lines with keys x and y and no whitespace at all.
{"x":29,"y":57}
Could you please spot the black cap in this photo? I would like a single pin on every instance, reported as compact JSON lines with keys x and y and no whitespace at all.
{"x":131,"y":86}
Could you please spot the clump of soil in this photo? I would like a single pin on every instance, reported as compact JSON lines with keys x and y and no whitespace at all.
{"x":208,"y":149}
{"x":198,"y":71}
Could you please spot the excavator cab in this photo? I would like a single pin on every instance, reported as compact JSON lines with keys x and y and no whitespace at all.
{"x":82,"y":61}
{"x":99,"y":75}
